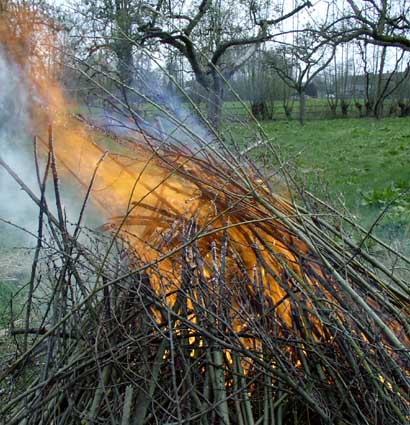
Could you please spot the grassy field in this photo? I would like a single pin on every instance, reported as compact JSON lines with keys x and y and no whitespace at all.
{"x":365,"y":163}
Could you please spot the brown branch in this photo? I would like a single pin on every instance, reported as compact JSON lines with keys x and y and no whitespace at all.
{"x":203,"y":8}
{"x":43,"y":331}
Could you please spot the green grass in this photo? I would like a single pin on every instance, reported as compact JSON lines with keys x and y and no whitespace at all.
{"x":353,"y":155}
{"x":363,"y":161}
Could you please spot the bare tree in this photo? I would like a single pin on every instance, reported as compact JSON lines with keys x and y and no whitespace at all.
{"x":214,"y":36}
{"x":259,"y":84}
{"x":301,"y":61}
{"x":381,"y":30}
{"x":380,"y":74}
{"x":110,"y":25}
{"x":381,"y":22}
{"x":337,"y":78}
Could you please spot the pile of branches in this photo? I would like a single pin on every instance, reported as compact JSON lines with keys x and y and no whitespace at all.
{"x":264,"y":314}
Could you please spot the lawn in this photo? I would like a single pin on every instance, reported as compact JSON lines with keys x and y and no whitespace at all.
{"x":363,"y":162}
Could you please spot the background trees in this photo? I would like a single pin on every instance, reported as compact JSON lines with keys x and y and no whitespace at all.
{"x":214,"y":39}
{"x":381,"y":22}
{"x":380,"y":31}
{"x":298,"y":63}
{"x":354,"y":54}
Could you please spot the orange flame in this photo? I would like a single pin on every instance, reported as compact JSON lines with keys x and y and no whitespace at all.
{"x":151,"y":194}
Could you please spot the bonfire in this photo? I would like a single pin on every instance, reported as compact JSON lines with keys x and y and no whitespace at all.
{"x":208,"y":296}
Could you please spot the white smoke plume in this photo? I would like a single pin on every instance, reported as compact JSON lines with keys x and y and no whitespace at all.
{"x":17,"y":150}
{"x":15,"y":142}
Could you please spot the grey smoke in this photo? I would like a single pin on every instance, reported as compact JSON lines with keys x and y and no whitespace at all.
{"x":15,"y":206}
{"x":16,"y":142}
{"x":157,"y":108}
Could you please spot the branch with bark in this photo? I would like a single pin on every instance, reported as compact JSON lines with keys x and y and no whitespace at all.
{"x":381,"y":22}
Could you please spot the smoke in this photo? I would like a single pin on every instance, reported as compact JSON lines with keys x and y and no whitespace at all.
{"x":15,"y":206}
{"x":169,"y":119}
{"x":156,"y":106}
{"x":17,"y":131}
{"x":174,"y":118}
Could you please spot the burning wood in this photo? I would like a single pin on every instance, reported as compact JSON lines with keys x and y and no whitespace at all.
{"x":234,"y":303}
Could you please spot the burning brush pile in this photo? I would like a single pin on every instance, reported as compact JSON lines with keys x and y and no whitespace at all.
{"x":207,"y":298}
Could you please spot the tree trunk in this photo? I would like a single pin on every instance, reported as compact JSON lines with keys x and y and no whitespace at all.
{"x":122,"y":44}
{"x":302,"y":107}
{"x":378,"y":107}
{"x":215,"y":94}
{"x":125,"y":67}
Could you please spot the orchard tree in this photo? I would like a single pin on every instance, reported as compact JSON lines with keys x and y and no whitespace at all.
{"x":383,"y":22}
{"x":259,"y":84}
{"x":215,"y":37}
{"x":379,"y":22}
{"x":299,"y":61}
{"x":384,"y":70}
{"x":381,"y":31}
{"x":110,"y":25}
